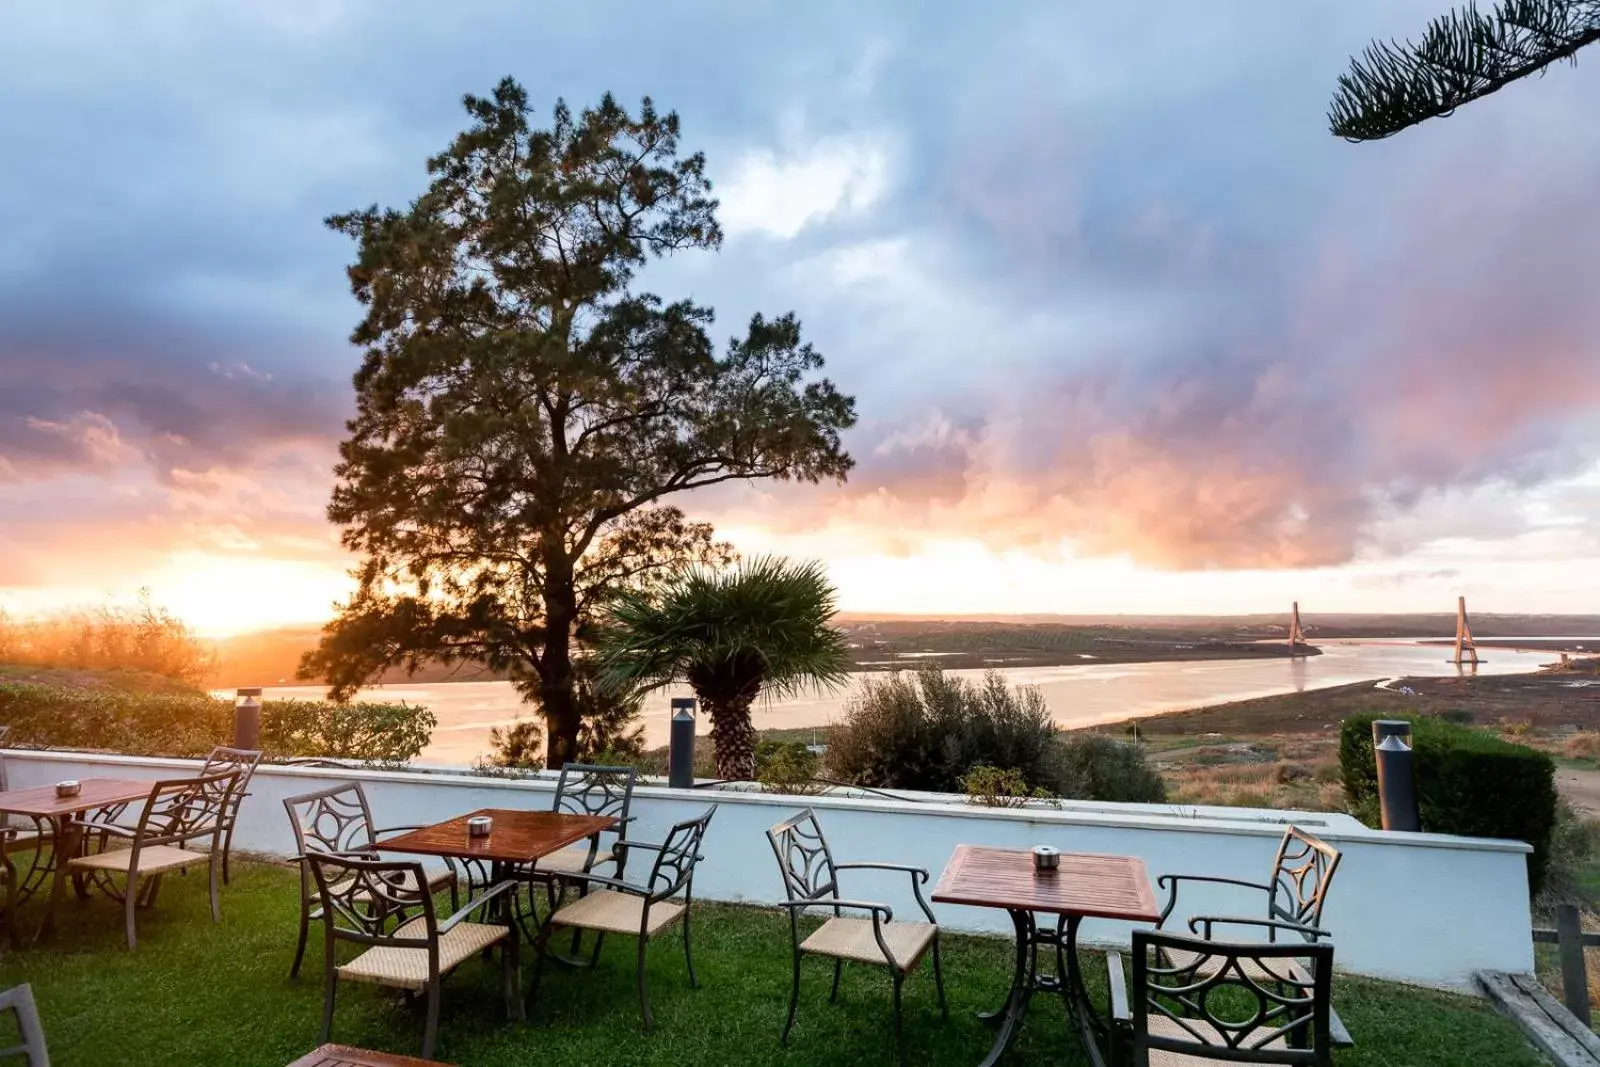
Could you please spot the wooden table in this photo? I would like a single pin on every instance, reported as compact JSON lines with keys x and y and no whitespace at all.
{"x":1084,"y":886}
{"x":65,"y":815}
{"x":345,"y":1056}
{"x":517,"y":839}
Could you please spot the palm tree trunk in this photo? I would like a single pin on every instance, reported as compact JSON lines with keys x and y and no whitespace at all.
{"x":733,"y":737}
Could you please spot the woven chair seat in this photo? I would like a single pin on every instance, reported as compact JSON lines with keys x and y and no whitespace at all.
{"x":617,"y":913}
{"x":1253,"y":969}
{"x":407,"y":968}
{"x":153,"y":859}
{"x":27,"y":840}
{"x":1161,"y":1026}
{"x":574,"y":859}
{"x":852,"y":939}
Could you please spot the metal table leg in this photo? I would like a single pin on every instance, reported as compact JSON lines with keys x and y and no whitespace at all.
{"x":1066,"y":981}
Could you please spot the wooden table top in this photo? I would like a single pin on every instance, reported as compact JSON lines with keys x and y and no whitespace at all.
{"x":1086,"y":884}
{"x":41,"y":800}
{"x":345,"y":1056}
{"x":516,"y":837}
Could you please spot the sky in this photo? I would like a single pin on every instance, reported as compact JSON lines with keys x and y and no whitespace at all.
{"x":1128,"y":330}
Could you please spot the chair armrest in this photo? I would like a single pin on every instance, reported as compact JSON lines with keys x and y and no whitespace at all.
{"x":1118,"y":986}
{"x":475,"y":904}
{"x":826,"y":902}
{"x":919,"y":878}
{"x":1170,"y":882}
{"x":609,"y":883}
{"x":919,"y":873}
{"x":1310,"y":933}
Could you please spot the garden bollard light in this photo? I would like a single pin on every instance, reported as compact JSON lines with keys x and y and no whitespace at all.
{"x":680,"y":758}
{"x":1397,"y":795}
{"x":247,"y":719}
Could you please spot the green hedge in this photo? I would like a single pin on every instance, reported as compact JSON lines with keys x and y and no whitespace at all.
{"x":190,"y":723}
{"x":1469,"y":782}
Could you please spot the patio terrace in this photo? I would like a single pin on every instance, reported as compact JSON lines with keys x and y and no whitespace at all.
{"x":198,"y":993}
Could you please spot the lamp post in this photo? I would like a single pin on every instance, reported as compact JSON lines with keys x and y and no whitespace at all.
{"x":680,"y":756}
{"x":247,"y":719}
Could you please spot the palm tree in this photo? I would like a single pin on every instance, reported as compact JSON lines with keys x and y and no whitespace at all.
{"x":732,"y":634}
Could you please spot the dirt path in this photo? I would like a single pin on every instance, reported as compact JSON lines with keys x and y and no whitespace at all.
{"x":1581,"y":788}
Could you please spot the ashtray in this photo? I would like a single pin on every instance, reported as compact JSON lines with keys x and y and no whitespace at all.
{"x":1046,"y":859}
{"x":479,"y":826}
{"x":70,"y":788}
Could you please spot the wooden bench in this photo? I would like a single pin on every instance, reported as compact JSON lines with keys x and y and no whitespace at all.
{"x":1122,"y":1013}
{"x":345,"y":1056}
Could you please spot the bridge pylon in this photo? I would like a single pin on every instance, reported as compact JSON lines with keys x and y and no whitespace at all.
{"x":1466,"y":648}
{"x":1297,"y":634}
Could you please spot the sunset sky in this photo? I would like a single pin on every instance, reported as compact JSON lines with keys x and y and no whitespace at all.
{"x":1129,"y":331}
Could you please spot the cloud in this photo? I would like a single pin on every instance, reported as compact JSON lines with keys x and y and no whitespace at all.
{"x":780,"y":196}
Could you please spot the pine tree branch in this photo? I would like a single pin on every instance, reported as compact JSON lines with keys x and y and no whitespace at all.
{"x":1461,"y":57}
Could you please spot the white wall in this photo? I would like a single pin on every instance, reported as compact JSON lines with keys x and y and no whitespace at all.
{"x":1423,"y":908}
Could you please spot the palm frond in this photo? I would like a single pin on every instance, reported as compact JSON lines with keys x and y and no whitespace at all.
{"x":766,"y":614}
{"x":1461,"y":57}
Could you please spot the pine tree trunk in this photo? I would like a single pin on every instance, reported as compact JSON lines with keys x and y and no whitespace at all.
{"x":561,"y":717}
{"x":733,"y":737}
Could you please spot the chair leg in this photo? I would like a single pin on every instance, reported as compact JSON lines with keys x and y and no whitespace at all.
{"x":328,"y":995}
{"x":899,"y":1036}
{"x":511,"y":974}
{"x":130,"y":907}
{"x":694,"y":983}
{"x":794,"y":1000}
{"x":938,"y":978}
{"x":216,"y":899}
{"x":541,"y":949}
{"x":838,"y":965}
{"x":227,"y":851}
{"x":430,"y":1032}
{"x":305,"y":931}
{"x":594,"y":953}
{"x":644,"y":988}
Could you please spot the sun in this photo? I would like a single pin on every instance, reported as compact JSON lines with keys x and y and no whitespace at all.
{"x":218,"y":596}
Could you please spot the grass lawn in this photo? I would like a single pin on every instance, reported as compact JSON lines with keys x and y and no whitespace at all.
{"x":198,"y":993}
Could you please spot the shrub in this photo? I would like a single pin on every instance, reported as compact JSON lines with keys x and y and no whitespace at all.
{"x":191,"y":723}
{"x":787,"y":767}
{"x":929,"y":730}
{"x":138,"y":638}
{"x":1096,"y":767}
{"x":1583,"y":745}
{"x":1468,"y":782}
{"x":1568,"y":876}
{"x":1000,"y":787}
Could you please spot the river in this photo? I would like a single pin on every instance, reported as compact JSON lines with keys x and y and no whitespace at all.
{"x":1078,"y":695}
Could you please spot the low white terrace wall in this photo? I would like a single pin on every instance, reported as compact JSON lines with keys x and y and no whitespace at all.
{"x":1424,"y":908}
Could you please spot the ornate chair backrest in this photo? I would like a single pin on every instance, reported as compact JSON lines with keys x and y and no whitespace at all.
{"x":183,"y":809}
{"x":244,"y":761}
{"x":1301,"y":875}
{"x":1232,"y":1001}
{"x":337,"y":820}
{"x":367,"y":901}
{"x":674,"y":866}
{"x":18,"y":1001}
{"x":591,"y":789}
{"x":804,"y":859}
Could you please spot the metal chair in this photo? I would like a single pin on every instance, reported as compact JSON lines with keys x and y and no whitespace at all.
{"x":584,"y":789}
{"x":1241,"y":1003}
{"x":244,"y":761}
{"x":27,"y":834}
{"x":642,"y":910}
{"x":338,"y":821}
{"x":19,"y":1001}
{"x":810,"y":880}
{"x":1296,"y":888}
{"x":361,"y":897}
{"x":177,"y":813}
